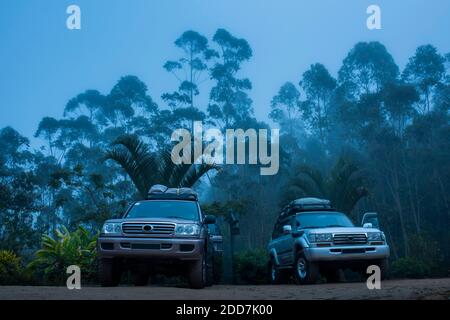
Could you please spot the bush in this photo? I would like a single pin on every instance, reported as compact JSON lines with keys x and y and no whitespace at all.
{"x":65,"y":249}
{"x":250,"y":267}
{"x":11,"y":271}
{"x":410,"y":267}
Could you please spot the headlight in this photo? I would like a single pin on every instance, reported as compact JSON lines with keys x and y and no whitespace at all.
{"x":374,"y":236}
{"x":187,"y":230}
{"x":112,"y":228}
{"x":320,"y":237}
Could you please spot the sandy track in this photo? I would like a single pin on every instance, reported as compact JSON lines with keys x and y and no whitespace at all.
{"x":391,"y":289}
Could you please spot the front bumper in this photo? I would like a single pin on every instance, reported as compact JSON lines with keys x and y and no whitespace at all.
{"x":151,"y":248}
{"x":346,"y":253}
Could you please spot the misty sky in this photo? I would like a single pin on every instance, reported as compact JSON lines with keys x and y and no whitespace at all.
{"x":43,"y":64}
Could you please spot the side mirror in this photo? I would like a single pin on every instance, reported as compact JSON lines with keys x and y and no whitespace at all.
{"x":209,"y":219}
{"x":287,"y":229}
{"x":367,"y":225}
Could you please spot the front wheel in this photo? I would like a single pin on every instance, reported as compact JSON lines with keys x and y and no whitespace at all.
{"x":384,"y":268}
{"x":305,"y":272}
{"x":197,"y":274}
{"x":209,"y":271}
{"x":109,"y":273}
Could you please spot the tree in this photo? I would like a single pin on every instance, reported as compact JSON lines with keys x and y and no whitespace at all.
{"x":91,"y":100}
{"x":318,"y":85}
{"x":344,"y":186}
{"x":229,"y":101}
{"x":425,"y":69}
{"x":47,"y":129}
{"x":126,"y":99}
{"x":17,"y":192}
{"x":286,"y":107}
{"x":398,"y":101}
{"x":193,"y":65}
{"x":146,"y":168}
{"x":367,"y":68}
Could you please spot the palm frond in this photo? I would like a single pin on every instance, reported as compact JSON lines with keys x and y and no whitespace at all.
{"x":146,"y":168}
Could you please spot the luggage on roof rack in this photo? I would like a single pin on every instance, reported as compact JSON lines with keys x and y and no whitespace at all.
{"x":307,"y":204}
{"x":159,"y":191}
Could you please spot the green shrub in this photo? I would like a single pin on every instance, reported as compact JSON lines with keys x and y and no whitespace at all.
{"x":11,"y":271}
{"x":410,"y":267}
{"x":65,"y":249}
{"x":250,"y":267}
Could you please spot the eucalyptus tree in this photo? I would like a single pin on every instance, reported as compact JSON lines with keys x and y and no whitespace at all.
{"x":425,"y":69}
{"x":17,"y":192}
{"x":399,"y":100}
{"x":127,"y":100}
{"x":47,"y":129}
{"x":286,"y":108}
{"x":318,"y":85}
{"x":229,"y":100}
{"x":367,"y":68}
{"x":190,"y":70}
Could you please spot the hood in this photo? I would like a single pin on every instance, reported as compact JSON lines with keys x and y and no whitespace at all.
{"x":155,"y":220}
{"x":342,"y":230}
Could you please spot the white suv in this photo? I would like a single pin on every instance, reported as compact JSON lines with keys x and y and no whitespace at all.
{"x":310,"y":238}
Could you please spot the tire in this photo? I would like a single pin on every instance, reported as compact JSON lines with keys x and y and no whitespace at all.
{"x":384,"y":268}
{"x":209,"y":272}
{"x":305,"y":272}
{"x":197,"y":274}
{"x":109,"y":273}
{"x":277,"y":275}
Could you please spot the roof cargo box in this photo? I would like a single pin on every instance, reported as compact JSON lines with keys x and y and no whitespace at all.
{"x":307,"y":204}
{"x":159,"y":191}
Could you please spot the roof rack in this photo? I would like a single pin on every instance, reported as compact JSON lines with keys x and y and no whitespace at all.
{"x":159,"y":191}
{"x":307,"y":204}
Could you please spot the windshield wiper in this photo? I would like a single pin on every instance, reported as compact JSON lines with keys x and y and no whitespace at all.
{"x":311,"y":227}
{"x":334,"y":225}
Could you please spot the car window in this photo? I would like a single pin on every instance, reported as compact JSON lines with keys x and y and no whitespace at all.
{"x":187,"y":210}
{"x":322,"y":220}
{"x":278,"y":230}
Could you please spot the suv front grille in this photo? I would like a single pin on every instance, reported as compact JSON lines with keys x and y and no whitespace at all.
{"x":141,"y":228}
{"x":349,"y":238}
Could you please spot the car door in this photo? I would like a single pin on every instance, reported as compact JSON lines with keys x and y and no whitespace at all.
{"x":284,"y":243}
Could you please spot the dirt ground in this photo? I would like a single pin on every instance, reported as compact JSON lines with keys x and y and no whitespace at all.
{"x":390,"y":289}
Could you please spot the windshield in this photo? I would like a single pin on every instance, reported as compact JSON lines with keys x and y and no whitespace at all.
{"x":322,"y":220}
{"x":164,"y":209}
